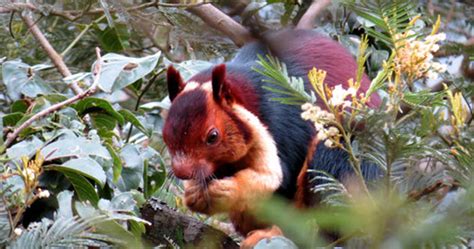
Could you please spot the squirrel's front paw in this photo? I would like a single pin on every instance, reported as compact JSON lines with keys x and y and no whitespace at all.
{"x":218,"y":196}
{"x":224,"y":194}
{"x":196,"y":198}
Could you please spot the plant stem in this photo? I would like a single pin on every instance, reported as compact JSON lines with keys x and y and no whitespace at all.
{"x":83,"y":32}
{"x":355,"y":162}
{"x":139,"y":98}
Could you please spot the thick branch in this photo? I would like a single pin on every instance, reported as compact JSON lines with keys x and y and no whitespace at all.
{"x":222,"y":22}
{"x":169,"y":227}
{"x":12,"y":136}
{"x":308,"y":19}
{"x":56,"y":59}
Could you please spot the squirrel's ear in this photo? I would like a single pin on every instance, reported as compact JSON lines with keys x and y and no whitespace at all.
{"x":220,"y":89}
{"x":175,"y":82}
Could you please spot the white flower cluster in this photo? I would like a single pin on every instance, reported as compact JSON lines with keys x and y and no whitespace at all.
{"x":43,"y":193}
{"x":414,"y":57}
{"x":320,"y":119}
{"x":18,"y":231}
{"x":339,"y":95}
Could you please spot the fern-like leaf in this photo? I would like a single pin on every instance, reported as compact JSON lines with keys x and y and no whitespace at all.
{"x":5,"y":226}
{"x":333,"y":191}
{"x":291,"y":89}
{"x":389,"y":17}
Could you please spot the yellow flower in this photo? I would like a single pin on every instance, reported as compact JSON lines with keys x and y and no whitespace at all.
{"x":459,"y":111}
{"x":413,"y":56}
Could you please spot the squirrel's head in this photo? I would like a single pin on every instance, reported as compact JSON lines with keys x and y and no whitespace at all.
{"x":203,"y":133}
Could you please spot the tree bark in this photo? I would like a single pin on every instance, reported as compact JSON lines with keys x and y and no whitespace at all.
{"x":170,"y":227}
{"x":215,"y":18}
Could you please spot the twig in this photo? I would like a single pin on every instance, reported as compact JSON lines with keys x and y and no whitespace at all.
{"x":308,"y":19}
{"x":51,"y":52}
{"x":222,"y":22}
{"x":342,"y":239}
{"x":10,"y":25}
{"x":416,"y":195}
{"x":139,"y":99}
{"x":83,"y":32}
{"x":12,"y":136}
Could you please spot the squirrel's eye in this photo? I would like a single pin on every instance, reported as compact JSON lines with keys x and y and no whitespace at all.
{"x":212,"y":136}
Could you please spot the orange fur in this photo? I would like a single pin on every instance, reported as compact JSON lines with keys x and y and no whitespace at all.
{"x":302,"y":190}
{"x":256,"y":236}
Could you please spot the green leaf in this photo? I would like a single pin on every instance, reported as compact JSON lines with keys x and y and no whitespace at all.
{"x":83,"y":166}
{"x":122,"y":202}
{"x":74,"y":147}
{"x":285,"y":18}
{"x":379,"y":80}
{"x":84,"y":189}
{"x":117,"y":169}
{"x":132,"y":173}
{"x":21,"y":79}
{"x":91,"y":105}
{"x":137,"y":228}
{"x":119,"y":71}
{"x":113,"y":39}
{"x":156,"y":179}
{"x":130,"y":117}
{"x":424,"y":98}
{"x":189,"y":68}
{"x":12,"y":118}
{"x":24,"y":148}
{"x":111,"y":227}
{"x":55,"y":98}
{"x":19,"y":106}
{"x":163,"y":104}
{"x":65,"y":204}
{"x":103,"y":121}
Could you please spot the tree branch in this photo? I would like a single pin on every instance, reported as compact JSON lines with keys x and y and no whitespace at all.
{"x":308,"y":19}
{"x":56,"y":59}
{"x":12,"y":136}
{"x":170,"y":227}
{"x":222,"y":22}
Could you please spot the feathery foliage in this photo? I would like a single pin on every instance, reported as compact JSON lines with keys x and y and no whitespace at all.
{"x":388,"y":18}
{"x":291,"y":89}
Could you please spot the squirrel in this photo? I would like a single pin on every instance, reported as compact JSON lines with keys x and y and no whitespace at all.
{"x":234,"y":146}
